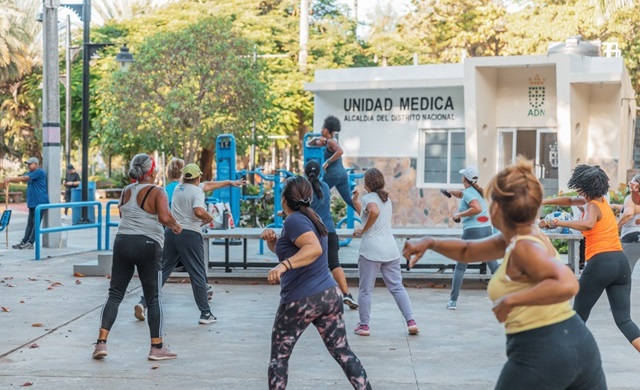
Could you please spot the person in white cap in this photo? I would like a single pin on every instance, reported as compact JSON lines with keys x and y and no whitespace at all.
{"x":474,"y":215}
{"x":37,"y":194}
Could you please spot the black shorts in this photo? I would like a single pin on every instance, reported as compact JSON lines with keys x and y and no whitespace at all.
{"x":333,"y":247}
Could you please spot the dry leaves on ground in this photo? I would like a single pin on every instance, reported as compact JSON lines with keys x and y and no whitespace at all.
{"x":37,"y":325}
{"x":25,"y":384}
{"x":155,"y":367}
{"x":78,"y":281}
{"x":5,"y":309}
{"x":79,"y":275}
{"x":34,"y":345}
{"x":33,"y":279}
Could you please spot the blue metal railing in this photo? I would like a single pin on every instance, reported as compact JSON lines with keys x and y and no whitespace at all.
{"x":39,"y":231}
{"x":109,"y":224}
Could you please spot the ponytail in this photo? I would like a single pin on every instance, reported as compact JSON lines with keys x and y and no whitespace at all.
{"x":374,"y":179}
{"x":312,"y":170}
{"x":384,"y":195}
{"x":477,"y":188}
{"x":297,"y":194}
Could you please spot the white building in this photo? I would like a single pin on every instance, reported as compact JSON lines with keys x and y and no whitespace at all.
{"x":421,"y":124}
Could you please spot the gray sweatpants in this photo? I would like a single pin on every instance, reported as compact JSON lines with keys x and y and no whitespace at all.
{"x":392,"y":276}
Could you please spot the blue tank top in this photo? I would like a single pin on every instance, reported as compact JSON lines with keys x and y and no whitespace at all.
{"x":322,"y":206}
{"x":335,"y":168}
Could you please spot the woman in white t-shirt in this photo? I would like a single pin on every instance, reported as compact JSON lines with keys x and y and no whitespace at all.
{"x":378,"y":251}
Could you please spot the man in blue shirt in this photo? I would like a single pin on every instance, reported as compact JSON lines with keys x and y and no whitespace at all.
{"x":37,"y":194}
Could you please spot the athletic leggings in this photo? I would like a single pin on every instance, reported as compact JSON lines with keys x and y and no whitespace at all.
{"x":324,"y":310}
{"x":558,"y":356}
{"x":130,"y":252}
{"x":461,"y":268}
{"x":341,"y":182}
{"x":608,"y":271}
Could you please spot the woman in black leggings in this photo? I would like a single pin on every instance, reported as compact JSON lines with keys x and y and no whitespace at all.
{"x":143,"y":210}
{"x":607,"y":266}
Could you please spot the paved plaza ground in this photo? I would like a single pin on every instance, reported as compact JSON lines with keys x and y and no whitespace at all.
{"x":463,"y":349}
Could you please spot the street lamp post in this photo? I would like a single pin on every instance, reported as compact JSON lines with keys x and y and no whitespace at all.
{"x":89,"y":49}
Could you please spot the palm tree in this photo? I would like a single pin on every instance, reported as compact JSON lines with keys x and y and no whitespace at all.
{"x":105,"y":10}
{"x":15,"y":60}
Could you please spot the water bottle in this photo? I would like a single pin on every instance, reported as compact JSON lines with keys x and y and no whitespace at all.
{"x":225,"y":219}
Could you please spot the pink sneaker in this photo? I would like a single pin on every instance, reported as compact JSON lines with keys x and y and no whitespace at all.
{"x":161,"y":354}
{"x":100,"y":351}
{"x":362,"y":330}
{"x":413,"y":328}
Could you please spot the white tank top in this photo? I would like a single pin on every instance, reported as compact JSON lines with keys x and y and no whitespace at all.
{"x":630,"y":226}
{"x":136,"y":221}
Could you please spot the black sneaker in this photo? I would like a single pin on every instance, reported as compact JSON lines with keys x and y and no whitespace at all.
{"x":27,"y":245}
{"x":206,"y":319}
{"x":349,"y":301}
{"x":18,"y":245}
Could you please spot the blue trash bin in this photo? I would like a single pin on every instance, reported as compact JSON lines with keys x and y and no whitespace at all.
{"x":76,"y":196}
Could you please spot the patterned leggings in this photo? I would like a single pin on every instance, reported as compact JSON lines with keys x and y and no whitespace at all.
{"x":324,"y":310}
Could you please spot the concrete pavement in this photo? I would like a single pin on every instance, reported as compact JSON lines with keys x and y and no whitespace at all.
{"x":461,"y":349}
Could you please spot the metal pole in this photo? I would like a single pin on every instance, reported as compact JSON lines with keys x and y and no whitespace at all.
{"x":51,"y":148}
{"x":86,"y":53}
{"x":67,"y":86}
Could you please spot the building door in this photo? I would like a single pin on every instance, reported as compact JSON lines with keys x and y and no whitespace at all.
{"x":539,"y":145}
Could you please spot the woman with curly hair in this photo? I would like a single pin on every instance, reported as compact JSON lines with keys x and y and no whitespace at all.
{"x":607,"y":267}
{"x":548,"y":345}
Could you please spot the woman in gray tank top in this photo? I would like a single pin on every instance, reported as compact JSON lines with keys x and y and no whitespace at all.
{"x":143,"y":210}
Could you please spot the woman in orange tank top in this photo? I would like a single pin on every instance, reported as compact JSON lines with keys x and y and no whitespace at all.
{"x":531,"y":290}
{"x":607,"y":266}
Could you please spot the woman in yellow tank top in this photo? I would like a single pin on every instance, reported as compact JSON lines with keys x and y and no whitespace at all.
{"x":548,"y":345}
{"x":607,"y":267}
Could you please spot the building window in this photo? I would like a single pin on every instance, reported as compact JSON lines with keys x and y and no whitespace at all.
{"x":443,"y":156}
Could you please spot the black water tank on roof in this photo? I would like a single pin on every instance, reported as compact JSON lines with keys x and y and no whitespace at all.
{"x":575,"y":45}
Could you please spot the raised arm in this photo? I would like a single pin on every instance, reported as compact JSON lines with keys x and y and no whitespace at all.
{"x":464,"y":251}
{"x":337,"y":152}
{"x":214,"y":185}
{"x":591,"y":216}
{"x":565,"y":201}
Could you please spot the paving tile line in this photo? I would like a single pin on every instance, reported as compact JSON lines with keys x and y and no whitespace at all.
{"x":50,"y":331}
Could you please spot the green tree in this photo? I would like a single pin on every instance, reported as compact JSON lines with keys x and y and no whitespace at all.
{"x":186,"y":88}
{"x":441,"y":31}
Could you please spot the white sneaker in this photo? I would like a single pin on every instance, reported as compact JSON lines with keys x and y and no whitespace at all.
{"x":452,"y":305}
{"x":139,"y":311}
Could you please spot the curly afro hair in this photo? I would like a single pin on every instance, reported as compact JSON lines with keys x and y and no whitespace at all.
{"x":590,"y":181}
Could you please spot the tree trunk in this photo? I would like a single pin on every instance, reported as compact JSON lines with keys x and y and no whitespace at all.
{"x":206,"y":163}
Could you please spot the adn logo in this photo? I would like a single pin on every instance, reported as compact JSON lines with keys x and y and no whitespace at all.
{"x":537,"y":93}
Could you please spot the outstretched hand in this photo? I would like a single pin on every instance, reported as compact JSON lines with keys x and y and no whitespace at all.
{"x":239,"y":182}
{"x":414,"y":249}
